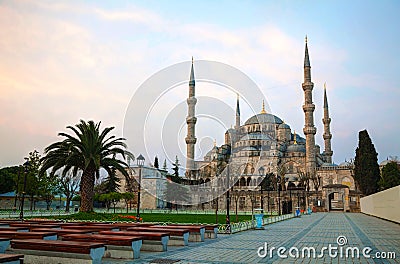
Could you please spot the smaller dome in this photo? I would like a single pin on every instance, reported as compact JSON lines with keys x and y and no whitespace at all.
{"x":385,"y":162}
{"x":250,"y":149}
{"x":296,"y":148}
{"x":283,"y":126}
{"x":345,"y":164}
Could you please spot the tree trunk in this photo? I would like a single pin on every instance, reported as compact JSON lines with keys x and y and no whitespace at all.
{"x":68,"y":200}
{"x":87,"y":186}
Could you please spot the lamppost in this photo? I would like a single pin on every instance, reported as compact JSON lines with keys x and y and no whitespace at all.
{"x":228,"y":200}
{"x":140,"y":163}
{"x":21,"y":214}
{"x":278,"y":183}
{"x":223,"y":157}
{"x":261,"y":172}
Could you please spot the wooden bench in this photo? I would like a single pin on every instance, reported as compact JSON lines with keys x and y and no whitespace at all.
{"x":13,"y":228}
{"x":29,"y":235}
{"x":152,"y":241}
{"x":93,"y":228}
{"x":11,"y":258}
{"x":117,"y":246}
{"x":211,"y":231}
{"x":58,"y":252}
{"x":31,"y":225}
{"x":61,"y":232}
{"x":4,"y":244}
{"x":196,"y":231}
{"x":177,"y":237}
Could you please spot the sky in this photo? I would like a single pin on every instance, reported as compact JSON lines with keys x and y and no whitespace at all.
{"x":63,"y":61}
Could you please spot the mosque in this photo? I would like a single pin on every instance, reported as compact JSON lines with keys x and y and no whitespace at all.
{"x":299,"y":174}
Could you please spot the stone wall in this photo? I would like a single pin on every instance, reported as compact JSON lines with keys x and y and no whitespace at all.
{"x":385,"y":204}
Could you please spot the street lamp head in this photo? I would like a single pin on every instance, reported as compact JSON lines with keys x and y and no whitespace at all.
{"x":140,"y":160}
{"x":261,"y":171}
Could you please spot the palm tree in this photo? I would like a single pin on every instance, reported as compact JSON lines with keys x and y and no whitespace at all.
{"x":88,"y":150}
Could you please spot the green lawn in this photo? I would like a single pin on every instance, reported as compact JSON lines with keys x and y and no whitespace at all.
{"x":154,"y":217}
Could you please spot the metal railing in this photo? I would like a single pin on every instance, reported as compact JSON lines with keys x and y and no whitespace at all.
{"x":251,"y":224}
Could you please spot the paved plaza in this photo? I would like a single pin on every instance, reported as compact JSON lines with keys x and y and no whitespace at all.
{"x":317,"y":230}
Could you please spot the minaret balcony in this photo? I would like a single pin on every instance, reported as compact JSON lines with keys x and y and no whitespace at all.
{"x":309,"y":130}
{"x":326,"y":120}
{"x":327,"y":136}
{"x":191,"y":120}
{"x":307,"y":85}
{"x":308,"y":107}
{"x":190,"y":140}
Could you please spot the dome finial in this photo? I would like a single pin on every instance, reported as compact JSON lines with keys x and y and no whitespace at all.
{"x":215,"y":142}
{"x":295,"y":138}
{"x":306,"y":39}
{"x":263,"y":108}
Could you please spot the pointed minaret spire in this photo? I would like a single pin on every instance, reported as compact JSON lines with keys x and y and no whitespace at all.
{"x":191,"y":124}
{"x":325,"y":97}
{"x":237,"y":123}
{"x":327,"y":132}
{"x":309,"y":129}
{"x":191,"y":80}
{"x":263,"y":108}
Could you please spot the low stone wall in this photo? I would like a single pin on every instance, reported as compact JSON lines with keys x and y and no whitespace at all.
{"x":384,"y":204}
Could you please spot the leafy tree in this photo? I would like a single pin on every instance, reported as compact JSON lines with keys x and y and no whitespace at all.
{"x":111,"y":198}
{"x":68,"y":185}
{"x":112,"y":182}
{"x":390,"y":176}
{"x":128,"y":197}
{"x":8,"y":178}
{"x":88,"y":150}
{"x":366,"y":168}
{"x":156,"y":164}
{"x":30,"y":173}
{"x":47,"y":188}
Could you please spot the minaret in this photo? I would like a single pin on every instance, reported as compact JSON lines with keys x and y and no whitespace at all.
{"x":191,"y":123}
{"x":327,"y":132}
{"x":308,"y":108}
{"x":237,"y":124}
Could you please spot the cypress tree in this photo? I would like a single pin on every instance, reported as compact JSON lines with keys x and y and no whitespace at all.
{"x":156,"y":165}
{"x":390,"y":176}
{"x":366,"y":167}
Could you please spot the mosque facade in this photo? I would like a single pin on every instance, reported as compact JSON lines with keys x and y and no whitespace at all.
{"x":298,"y":173}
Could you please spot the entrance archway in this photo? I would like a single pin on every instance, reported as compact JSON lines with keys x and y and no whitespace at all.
{"x":336,"y":197}
{"x":336,"y":202}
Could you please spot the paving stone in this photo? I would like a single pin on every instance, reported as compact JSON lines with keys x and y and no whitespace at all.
{"x":317,"y":230}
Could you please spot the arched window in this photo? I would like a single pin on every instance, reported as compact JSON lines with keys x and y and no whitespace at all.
{"x":242,"y":182}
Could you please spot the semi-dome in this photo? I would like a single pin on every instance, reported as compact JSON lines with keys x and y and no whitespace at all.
{"x":284,"y":126}
{"x":296,"y":148}
{"x":263,"y":118}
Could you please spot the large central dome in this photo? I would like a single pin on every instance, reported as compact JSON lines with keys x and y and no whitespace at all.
{"x":263,"y":118}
